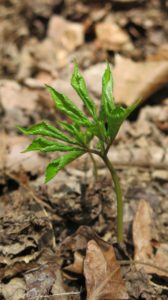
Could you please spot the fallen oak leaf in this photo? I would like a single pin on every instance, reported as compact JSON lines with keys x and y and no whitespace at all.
{"x":84,"y":239}
{"x":137,"y":80}
{"x":102,"y":274}
{"x":76,"y":243}
{"x":76,"y":267}
{"x":146,"y":252}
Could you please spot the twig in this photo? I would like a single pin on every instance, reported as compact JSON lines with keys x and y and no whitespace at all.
{"x":128,"y":262}
{"x":141,"y":164}
{"x":58,"y":294}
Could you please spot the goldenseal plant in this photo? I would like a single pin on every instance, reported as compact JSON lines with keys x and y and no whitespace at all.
{"x":74,"y":137}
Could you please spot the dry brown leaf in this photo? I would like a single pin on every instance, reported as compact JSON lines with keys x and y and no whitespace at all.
{"x":101,"y":253}
{"x":39,"y":282}
{"x":132,"y":80}
{"x":102,"y":274}
{"x":143,"y":234}
{"x":14,"y":96}
{"x":44,"y":279}
{"x":138,"y":80}
{"x":69,"y":36}
{"x":14,"y":289}
{"x":77,"y":266}
{"x":64,"y":87}
{"x":13,"y":269}
{"x":58,"y":287}
{"x":79,"y":240}
{"x":161,"y":54}
{"x":30,"y":162}
{"x":112,"y":37}
{"x":2,"y":150}
{"x":127,"y":1}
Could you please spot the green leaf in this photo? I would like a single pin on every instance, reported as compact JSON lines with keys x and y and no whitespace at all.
{"x":98,"y":129}
{"x":117,"y":117}
{"x":65,"y":105}
{"x":132,"y":107}
{"x":107,"y":100}
{"x":78,"y":83}
{"x":45,"y":145}
{"x":75,"y":131}
{"x":45,"y":129}
{"x":56,"y":165}
{"x":115,"y":120}
{"x":68,"y":127}
{"x":82,"y":137}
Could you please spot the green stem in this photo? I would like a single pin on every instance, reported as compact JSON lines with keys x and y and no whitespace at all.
{"x":95,"y":173}
{"x":118,"y":192}
{"x":91,"y":152}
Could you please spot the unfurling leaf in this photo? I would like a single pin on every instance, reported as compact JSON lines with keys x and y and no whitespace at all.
{"x":65,"y":105}
{"x":78,"y":83}
{"x":45,"y":145}
{"x":107,"y":100}
{"x":117,"y":117}
{"x":56,"y":165}
{"x":74,"y":130}
{"x":45,"y":129}
{"x":82,"y":137}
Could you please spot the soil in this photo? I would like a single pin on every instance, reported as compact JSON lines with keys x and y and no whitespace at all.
{"x":46,"y":230}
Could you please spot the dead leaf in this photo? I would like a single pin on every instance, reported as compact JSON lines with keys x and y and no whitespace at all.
{"x":69,"y":36}
{"x":22,"y":237}
{"x":64,"y":87}
{"x":49,"y":57}
{"x":142,"y":232}
{"x":14,"y":289}
{"x":112,"y":37}
{"x":77,"y":266}
{"x":2,"y":150}
{"x":102,"y":274}
{"x":58,"y":286}
{"x":132,"y":80}
{"x":30,"y":162}
{"x":146,"y":251}
{"x":127,"y":1}
{"x":161,"y":54}
{"x":79,"y":240}
{"x":14,"y":96}
{"x":99,"y":255}
{"x":138,"y":80}
{"x":39,"y":282}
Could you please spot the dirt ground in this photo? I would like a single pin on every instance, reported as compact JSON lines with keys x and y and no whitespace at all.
{"x":58,"y":241}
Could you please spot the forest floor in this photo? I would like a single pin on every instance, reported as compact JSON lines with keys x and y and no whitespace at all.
{"x":58,"y":241}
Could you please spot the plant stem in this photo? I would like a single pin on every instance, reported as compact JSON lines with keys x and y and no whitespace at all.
{"x":95,"y":173}
{"x":118,"y":192}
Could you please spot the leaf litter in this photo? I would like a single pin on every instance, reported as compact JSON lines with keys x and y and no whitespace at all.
{"x":148,"y":249}
{"x":34,"y":217}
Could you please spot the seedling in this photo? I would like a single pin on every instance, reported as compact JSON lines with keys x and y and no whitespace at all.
{"x":101,"y":125}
